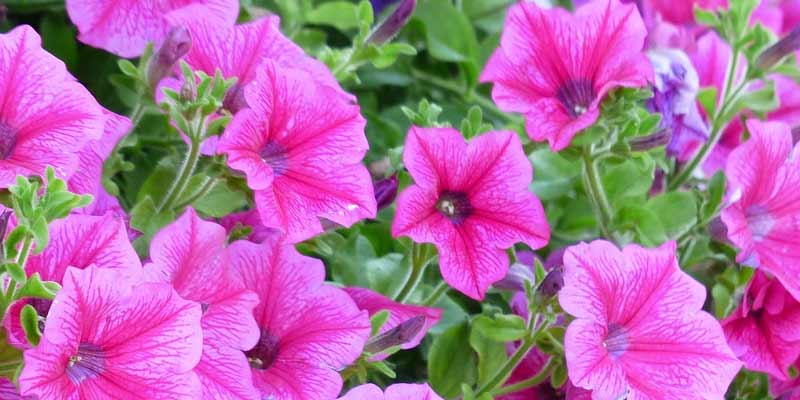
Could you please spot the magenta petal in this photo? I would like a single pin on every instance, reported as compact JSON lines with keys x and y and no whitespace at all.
{"x":124,"y":27}
{"x":83,"y":240}
{"x":126,"y":341}
{"x":308,"y":329}
{"x":765,"y":207}
{"x":364,"y":392}
{"x":89,"y":174}
{"x":398,"y":313}
{"x":639,"y":328}
{"x":300,"y":146}
{"x":9,"y":392}
{"x":46,"y":116}
{"x":225,"y":374}
{"x":555,"y":67}
{"x":404,"y":391}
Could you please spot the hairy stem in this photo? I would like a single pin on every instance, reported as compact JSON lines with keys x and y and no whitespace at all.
{"x":537,"y":379}
{"x":596,"y":193}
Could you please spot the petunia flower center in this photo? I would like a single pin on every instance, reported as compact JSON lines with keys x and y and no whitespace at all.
{"x":8,"y":139}
{"x":454,"y":205}
{"x":87,"y":363}
{"x":616,"y":340}
{"x":274,"y":155}
{"x":266,"y":351}
{"x":760,"y":222}
{"x":576,"y":95}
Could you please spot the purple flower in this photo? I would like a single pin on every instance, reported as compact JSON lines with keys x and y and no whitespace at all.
{"x":675,"y":92}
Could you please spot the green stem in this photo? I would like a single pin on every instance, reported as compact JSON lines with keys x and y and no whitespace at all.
{"x":22,"y":257}
{"x":418,"y":263}
{"x":478,"y":99}
{"x":136,"y":115}
{"x":207,"y":187}
{"x":717,"y":124}
{"x":537,"y":379}
{"x":441,"y":289}
{"x":597,"y":195}
{"x":505,"y":371}
{"x":184,"y":175}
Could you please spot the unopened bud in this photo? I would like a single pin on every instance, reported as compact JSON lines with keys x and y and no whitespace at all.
{"x":175,"y":46}
{"x":551,"y":284}
{"x":188,"y":91}
{"x":394,"y":23}
{"x":657,"y":139}
{"x":775,"y":53}
{"x":5,"y":216}
{"x":234,"y":100}
{"x":386,"y":191}
{"x":397,"y":336}
{"x":718,"y":230}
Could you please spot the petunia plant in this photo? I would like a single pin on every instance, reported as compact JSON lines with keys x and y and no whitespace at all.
{"x":399,"y":199}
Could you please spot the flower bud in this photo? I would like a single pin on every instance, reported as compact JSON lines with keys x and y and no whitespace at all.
{"x":386,"y":191}
{"x":379,"y":5}
{"x":657,"y":139}
{"x":718,"y":231}
{"x":775,"y":53}
{"x":394,"y":23}
{"x":234,"y":99}
{"x":396,"y":336}
{"x":551,"y":284}
{"x":175,"y":46}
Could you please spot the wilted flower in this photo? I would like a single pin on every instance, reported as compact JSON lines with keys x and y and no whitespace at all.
{"x":675,"y":98}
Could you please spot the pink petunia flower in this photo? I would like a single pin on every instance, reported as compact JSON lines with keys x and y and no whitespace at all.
{"x":190,"y":255}
{"x":124,"y":27}
{"x":399,"y":313}
{"x":639,"y":328}
{"x":9,"y":391}
{"x":309,"y":330}
{"x":400,"y":391}
{"x":238,"y":51}
{"x":470,"y":200}
{"x":764,"y":331}
{"x":681,"y":12}
{"x":88,"y":176}
{"x":46,"y":116}
{"x":107,"y":337}
{"x":76,"y":241}
{"x":785,"y":389}
{"x":764,"y":212}
{"x":300,"y":146}
{"x":555,"y":67}
{"x":249,"y":219}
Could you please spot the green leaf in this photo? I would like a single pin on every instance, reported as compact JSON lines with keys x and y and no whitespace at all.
{"x":35,"y":287}
{"x":40,"y":234}
{"x":10,"y":358}
{"x":722,"y":300}
{"x":559,"y":377}
{"x":502,"y":328}
{"x":16,"y":272}
{"x":677,"y":212}
{"x":30,"y":324}
{"x":631,"y":179}
{"x":13,"y":241}
{"x":146,"y":219}
{"x":644,"y":222}
{"x":707,"y":97}
{"x":222,"y":200}
{"x":58,"y":37}
{"x":716,"y":193}
{"x":706,"y":17}
{"x":555,"y":175}
{"x":491,"y":354}
{"x":452,"y":362}
{"x":453,"y":41}
{"x":342,"y":15}
{"x":377,"y":321}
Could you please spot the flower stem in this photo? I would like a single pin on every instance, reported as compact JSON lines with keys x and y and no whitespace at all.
{"x":729,"y":96}
{"x":505,"y":371}
{"x":136,"y":115}
{"x":207,"y":187}
{"x":184,"y":175}
{"x":441,"y":289}
{"x":418,"y":263}
{"x":597,"y":195}
{"x":540,"y":377}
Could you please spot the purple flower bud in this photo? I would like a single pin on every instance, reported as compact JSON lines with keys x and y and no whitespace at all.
{"x":718,"y":231}
{"x":674,"y":96}
{"x":379,"y":5}
{"x":551,"y":284}
{"x":396,"y":21}
{"x":778,"y":51}
{"x":5,"y":216}
{"x":386,"y":191}
{"x":234,"y":100}
{"x":175,"y":46}
{"x":396,"y":336}
{"x":516,"y":277}
{"x":657,"y":139}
